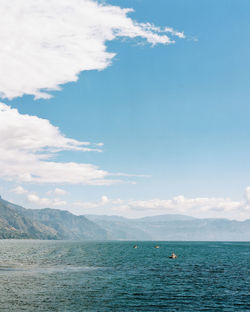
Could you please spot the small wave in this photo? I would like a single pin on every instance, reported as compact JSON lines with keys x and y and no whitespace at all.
{"x":63,"y":269}
{"x":48,"y":270}
{"x":10,"y":269}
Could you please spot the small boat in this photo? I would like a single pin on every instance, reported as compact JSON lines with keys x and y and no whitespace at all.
{"x":157,"y":246}
{"x":135,"y":246}
{"x":173,"y":256}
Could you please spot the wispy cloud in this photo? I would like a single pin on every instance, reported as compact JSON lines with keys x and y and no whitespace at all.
{"x":28,"y":145}
{"x":183,"y":204}
{"x":57,"y":191}
{"x":198,"y":206}
{"x":83,"y":204}
{"x":178,"y":204}
{"x":45,"y":44}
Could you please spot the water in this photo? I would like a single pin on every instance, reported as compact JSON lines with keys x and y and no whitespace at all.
{"x":112,"y":276}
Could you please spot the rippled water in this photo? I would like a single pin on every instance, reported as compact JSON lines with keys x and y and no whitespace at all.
{"x":112,"y":276}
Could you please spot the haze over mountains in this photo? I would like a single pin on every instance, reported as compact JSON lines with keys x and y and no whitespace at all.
{"x":174,"y":227}
{"x":18,"y":222}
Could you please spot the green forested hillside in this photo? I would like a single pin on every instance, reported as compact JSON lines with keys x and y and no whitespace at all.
{"x":14,"y":224}
{"x":18,"y":222}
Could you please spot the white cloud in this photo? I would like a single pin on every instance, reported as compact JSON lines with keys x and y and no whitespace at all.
{"x":198,"y":207}
{"x":104,"y":200}
{"x":247,"y":199}
{"x":247,"y":194}
{"x":28,"y":144}
{"x":44,"y":202}
{"x":36,"y":200}
{"x":57,"y":202}
{"x":86,"y":205}
{"x":206,"y":207}
{"x":31,"y":133}
{"x":182,"y":204}
{"x":215,"y":207}
{"x":178,"y":204}
{"x":33,"y":198}
{"x":47,"y":43}
{"x":57,"y":191}
{"x":19,"y":190}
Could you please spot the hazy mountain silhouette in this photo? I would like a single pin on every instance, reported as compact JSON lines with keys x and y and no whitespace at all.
{"x":174,"y":227}
{"x":18,"y":222}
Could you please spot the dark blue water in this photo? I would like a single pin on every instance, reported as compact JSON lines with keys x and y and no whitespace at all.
{"x":112,"y":276}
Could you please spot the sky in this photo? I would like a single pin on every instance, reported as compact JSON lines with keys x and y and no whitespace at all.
{"x":126,"y":107}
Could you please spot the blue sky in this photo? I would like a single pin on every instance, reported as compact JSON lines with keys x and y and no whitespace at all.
{"x":176,"y":115}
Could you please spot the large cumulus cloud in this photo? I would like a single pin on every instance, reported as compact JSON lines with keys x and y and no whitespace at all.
{"x":45,"y":44}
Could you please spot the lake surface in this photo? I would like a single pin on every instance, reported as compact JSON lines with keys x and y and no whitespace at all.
{"x":112,"y":276}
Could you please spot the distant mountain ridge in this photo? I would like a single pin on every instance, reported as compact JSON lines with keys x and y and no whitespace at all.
{"x":18,"y":222}
{"x":173,"y":228}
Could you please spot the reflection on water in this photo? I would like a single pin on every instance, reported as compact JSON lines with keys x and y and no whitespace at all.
{"x":48,"y":270}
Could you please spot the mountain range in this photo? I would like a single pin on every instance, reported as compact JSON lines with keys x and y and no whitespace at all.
{"x":173,"y":228}
{"x":18,"y":222}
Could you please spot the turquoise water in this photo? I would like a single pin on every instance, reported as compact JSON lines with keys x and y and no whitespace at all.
{"x":112,"y":276}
